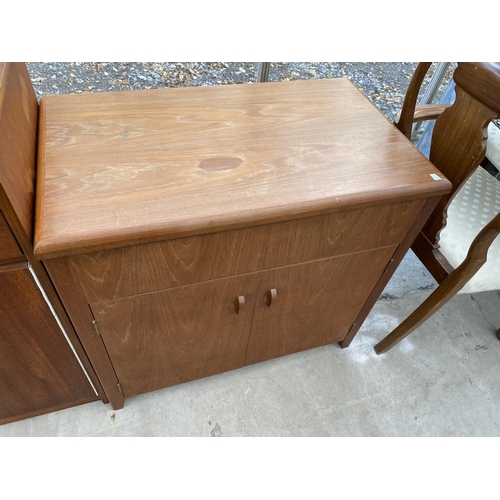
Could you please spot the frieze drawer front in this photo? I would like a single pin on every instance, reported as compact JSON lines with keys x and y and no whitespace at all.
{"x":136,"y":269}
{"x":164,"y":338}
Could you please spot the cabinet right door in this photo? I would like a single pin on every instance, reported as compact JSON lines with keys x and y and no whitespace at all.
{"x":309,"y":305}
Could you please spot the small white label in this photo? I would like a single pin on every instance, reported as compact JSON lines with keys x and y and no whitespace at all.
{"x":436,"y":177}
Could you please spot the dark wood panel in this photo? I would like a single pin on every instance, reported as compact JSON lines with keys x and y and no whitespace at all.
{"x":18,"y":140}
{"x":26,"y":245}
{"x":9,"y":249}
{"x":145,"y":268}
{"x":51,"y":409}
{"x":38,"y":370}
{"x":165,"y":338}
{"x":315,"y":304}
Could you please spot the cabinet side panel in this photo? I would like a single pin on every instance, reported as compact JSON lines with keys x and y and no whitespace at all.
{"x":403,"y":248}
{"x":78,"y":310}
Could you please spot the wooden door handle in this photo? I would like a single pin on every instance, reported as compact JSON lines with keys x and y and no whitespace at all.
{"x":271,"y":297}
{"x":240,"y":304}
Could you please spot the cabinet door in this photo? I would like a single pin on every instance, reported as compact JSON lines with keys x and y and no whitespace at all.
{"x":38,"y":370}
{"x":312,"y":304}
{"x":164,"y":338}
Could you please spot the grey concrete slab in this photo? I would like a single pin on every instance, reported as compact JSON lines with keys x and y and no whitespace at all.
{"x":440,"y":381}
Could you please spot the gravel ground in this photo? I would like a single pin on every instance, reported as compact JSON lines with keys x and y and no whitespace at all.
{"x":384,"y":83}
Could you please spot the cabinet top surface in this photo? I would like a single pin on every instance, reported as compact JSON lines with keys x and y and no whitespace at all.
{"x":120,"y":168}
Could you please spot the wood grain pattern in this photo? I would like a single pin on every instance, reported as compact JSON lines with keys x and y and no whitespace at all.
{"x":165,"y":338}
{"x":435,"y":262}
{"x":316,"y":303}
{"x":123,"y":168}
{"x":451,"y":285}
{"x":38,"y":370}
{"x":9,"y":249}
{"x":404,"y":121}
{"x":27,"y":247}
{"x":175,"y":213}
{"x":77,"y":308}
{"x":112,"y":274}
{"x":457,"y":151}
{"x":459,"y":137}
{"x":458,"y":146}
{"x":401,"y":251}
{"x":18,"y":141}
{"x":428,"y":111}
{"x":480,"y":79}
{"x":129,"y":271}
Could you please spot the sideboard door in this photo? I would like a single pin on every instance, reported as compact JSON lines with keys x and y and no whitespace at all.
{"x":38,"y":371}
{"x":163,"y":338}
{"x":309,"y":305}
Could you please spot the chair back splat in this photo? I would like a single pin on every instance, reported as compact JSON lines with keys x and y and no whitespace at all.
{"x":458,"y":150}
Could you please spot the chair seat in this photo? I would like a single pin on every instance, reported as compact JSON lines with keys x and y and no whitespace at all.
{"x":473,"y":207}
{"x":493,"y":149}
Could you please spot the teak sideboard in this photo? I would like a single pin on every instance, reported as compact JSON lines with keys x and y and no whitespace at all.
{"x":194,"y":231}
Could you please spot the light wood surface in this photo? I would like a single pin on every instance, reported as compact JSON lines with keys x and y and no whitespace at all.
{"x":18,"y":145}
{"x":39,"y":269}
{"x":121,"y":168}
{"x":457,"y":150}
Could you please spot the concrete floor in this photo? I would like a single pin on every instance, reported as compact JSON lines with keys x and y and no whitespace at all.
{"x":443,"y":380}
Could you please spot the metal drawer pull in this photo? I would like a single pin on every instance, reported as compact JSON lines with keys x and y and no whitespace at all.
{"x":271,"y":297}
{"x":240,"y":304}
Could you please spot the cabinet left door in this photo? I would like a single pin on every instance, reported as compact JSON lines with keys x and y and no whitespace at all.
{"x":38,"y":371}
{"x":168,"y":337}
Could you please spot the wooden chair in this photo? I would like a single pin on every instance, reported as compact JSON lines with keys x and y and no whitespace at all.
{"x":458,"y":244}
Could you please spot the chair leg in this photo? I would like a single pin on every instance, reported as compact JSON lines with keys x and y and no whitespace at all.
{"x":421,"y":314}
{"x":452,"y":284}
